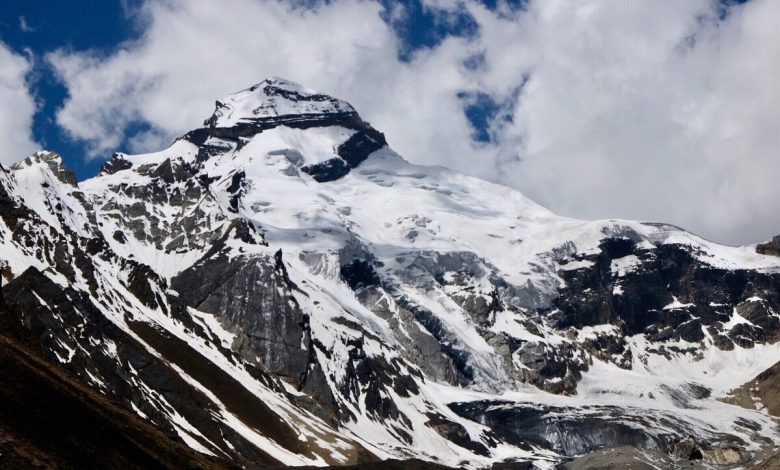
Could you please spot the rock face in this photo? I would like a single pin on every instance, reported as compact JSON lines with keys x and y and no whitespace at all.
{"x":41,"y":403}
{"x":251,"y":298}
{"x":568,"y":433}
{"x":771,"y":247}
{"x":280,"y":287}
{"x":761,"y":392}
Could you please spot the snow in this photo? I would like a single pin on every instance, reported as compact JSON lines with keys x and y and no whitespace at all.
{"x":103,"y":191}
{"x":721,"y":371}
{"x":735,"y":320}
{"x":262,"y":442}
{"x":314,"y":145}
{"x":399,"y":213}
{"x":53,"y":201}
{"x":211,"y":324}
{"x":677,"y":305}
{"x":621,"y":266}
{"x":255,"y":103}
{"x":507,"y":322}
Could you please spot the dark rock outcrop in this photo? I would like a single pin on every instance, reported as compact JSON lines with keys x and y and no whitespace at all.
{"x":51,"y":419}
{"x":253,"y":298}
{"x":771,"y":247}
{"x":570,"y":433}
{"x":117,"y":163}
{"x":65,"y":354}
{"x":351,"y":154}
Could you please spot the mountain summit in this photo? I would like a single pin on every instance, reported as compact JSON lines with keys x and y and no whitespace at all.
{"x":280,"y":287}
{"x":275,"y":99}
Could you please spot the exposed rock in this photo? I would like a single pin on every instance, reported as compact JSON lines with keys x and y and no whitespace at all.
{"x":686,"y":450}
{"x":359,"y":274}
{"x":771,"y":247}
{"x":83,"y":354}
{"x":725,"y":456}
{"x":41,"y":403}
{"x":570,"y":433}
{"x":723,"y":342}
{"x":691,"y":331}
{"x":763,"y":390}
{"x":329,"y":170}
{"x":117,"y":163}
{"x":54,"y":162}
{"x":351,"y":154}
{"x":455,"y":433}
{"x":620,"y":458}
{"x":253,"y":298}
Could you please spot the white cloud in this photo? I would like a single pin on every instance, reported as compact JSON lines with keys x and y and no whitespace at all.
{"x":25,"y":27}
{"x":18,"y":107}
{"x":647,"y":110}
{"x":195,"y":52}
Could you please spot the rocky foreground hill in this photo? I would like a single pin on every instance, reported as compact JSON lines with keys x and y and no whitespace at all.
{"x":280,"y":288}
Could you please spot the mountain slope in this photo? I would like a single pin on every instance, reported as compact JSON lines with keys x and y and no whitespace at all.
{"x":279,"y":286}
{"x":51,"y":420}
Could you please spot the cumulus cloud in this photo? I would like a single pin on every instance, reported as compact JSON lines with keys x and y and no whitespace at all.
{"x":18,"y":107}
{"x":647,"y":110}
{"x":194,"y":52}
{"x":660,"y":111}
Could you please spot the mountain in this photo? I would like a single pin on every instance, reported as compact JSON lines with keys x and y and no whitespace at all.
{"x":278,"y":287}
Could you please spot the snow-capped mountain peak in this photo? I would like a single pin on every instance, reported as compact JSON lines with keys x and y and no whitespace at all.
{"x":326,"y":301}
{"x":274,"y":99}
{"x":326,"y":136}
{"x":52,"y":160}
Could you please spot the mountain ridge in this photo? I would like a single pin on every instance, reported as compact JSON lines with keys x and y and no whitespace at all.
{"x":284,"y":256}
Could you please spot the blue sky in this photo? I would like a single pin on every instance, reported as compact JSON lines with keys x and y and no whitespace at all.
{"x":658,"y":110}
{"x":40,"y":26}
